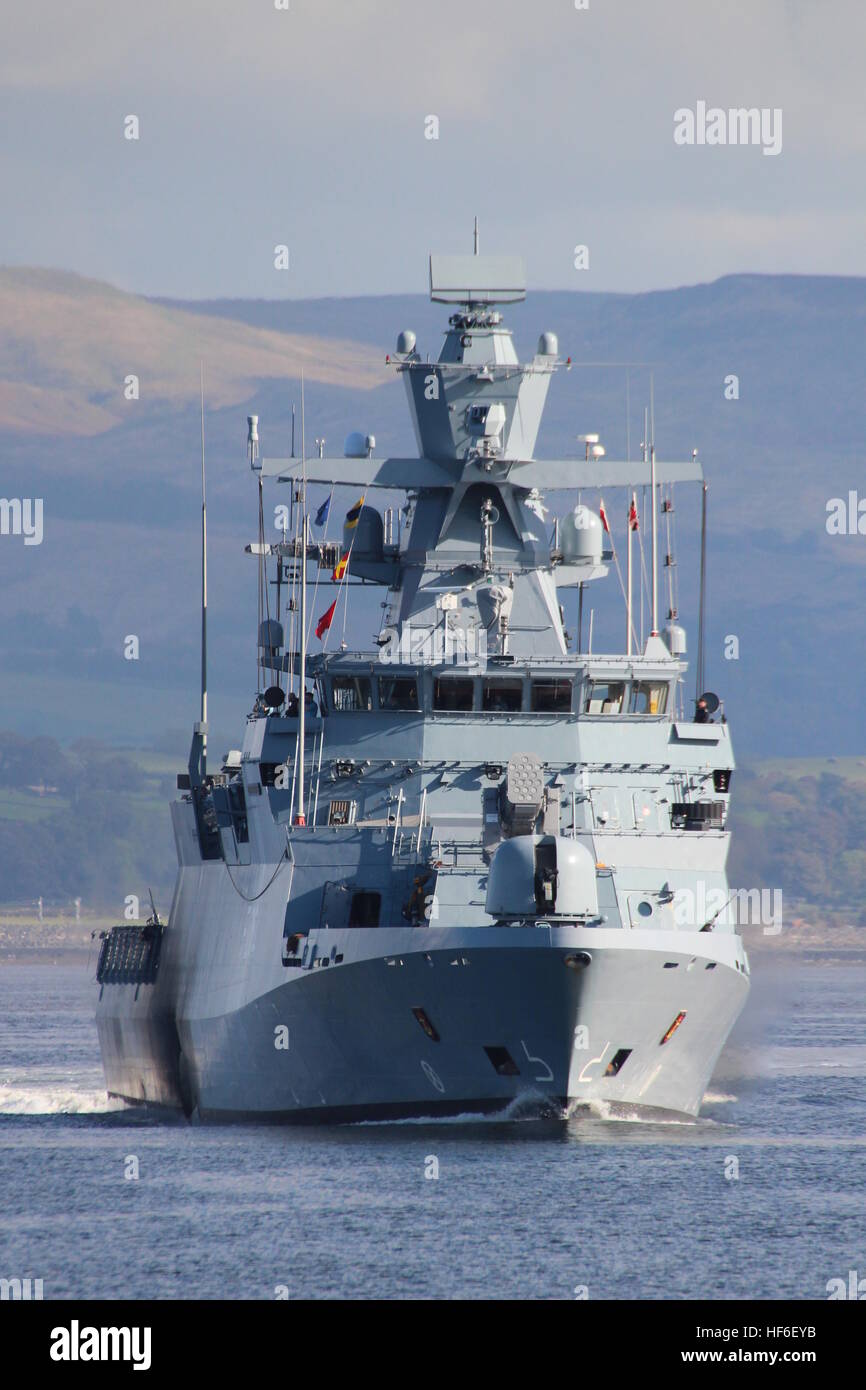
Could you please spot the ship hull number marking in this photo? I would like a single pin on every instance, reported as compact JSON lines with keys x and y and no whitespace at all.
{"x":541,"y":1062}
{"x":432,"y":1076}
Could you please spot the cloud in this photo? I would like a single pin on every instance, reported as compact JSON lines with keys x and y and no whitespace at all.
{"x":260,"y":125}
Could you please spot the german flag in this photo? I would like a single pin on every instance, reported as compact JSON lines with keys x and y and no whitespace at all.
{"x":340,"y":568}
{"x":352,"y":515}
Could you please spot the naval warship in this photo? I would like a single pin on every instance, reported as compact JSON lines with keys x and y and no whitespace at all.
{"x":461,"y":870}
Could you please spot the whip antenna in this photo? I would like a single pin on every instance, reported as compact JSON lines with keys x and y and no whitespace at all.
{"x":203,"y":587}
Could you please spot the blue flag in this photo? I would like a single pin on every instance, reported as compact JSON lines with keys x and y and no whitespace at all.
{"x":322,"y":513}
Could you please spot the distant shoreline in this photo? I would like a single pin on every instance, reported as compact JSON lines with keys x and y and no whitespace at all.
{"x":763,"y":952}
{"x":46,"y":955}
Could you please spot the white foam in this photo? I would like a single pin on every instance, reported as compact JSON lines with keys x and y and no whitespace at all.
{"x":613,"y":1112}
{"x":466,"y":1119}
{"x":718,"y":1098}
{"x":529,"y":1105}
{"x":23,"y":1099}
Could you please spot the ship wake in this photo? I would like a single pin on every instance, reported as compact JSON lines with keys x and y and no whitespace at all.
{"x":614,"y":1112}
{"x":22,"y":1097}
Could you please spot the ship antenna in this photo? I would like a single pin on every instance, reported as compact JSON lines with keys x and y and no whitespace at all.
{"x":628,"y":616}
{"x":203,"y":586}
{"x":702,"y":600}
{"x":655,"y":541}
{"x":475,"y":237}
{"x":300,"y":819}
{"x":154,"y":915}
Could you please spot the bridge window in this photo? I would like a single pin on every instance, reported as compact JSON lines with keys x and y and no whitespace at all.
{"x":502,"y":696}
{"x":453,"y":692}
{"x":351,"y":693}
{"x":551,"y":697}
{"x":605,"y":697}
{"x":648,"y":697}
{"x":398,"y":692}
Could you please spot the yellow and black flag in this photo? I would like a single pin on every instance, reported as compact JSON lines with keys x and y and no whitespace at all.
{"x":353,"y":513}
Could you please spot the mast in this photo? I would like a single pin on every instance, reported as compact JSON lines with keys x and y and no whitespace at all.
{"x":300,"y":818}
{"x":631,"y":504}
{"x":203,"y":589}
{"x":699,"y":665}
{"x":654,"y":503}
{"x":628,"y":579}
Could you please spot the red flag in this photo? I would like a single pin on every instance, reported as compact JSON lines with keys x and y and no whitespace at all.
{"x":603,"y":514}
{"x":632,"y":516}
{"x":325,"y":621}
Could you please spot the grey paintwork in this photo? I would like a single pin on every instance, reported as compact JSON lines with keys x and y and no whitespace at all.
{"x":269,"y":1003}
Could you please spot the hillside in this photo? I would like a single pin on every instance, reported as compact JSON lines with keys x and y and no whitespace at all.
{"x":120,"y":482}
{"x":67,"y":345}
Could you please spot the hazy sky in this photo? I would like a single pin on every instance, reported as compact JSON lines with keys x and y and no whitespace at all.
{"x":306,"y":127}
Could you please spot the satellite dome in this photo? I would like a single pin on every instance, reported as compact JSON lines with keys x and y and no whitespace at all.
{"x":406,"y":341}
{"x":271,"y":635}
{"x":580,"y":536}
{"x":548,"y":345}
{"x":355,"y":446}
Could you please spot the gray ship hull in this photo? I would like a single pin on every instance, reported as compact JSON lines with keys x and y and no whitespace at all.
{"x":519,"y":1014}
{"x":482,"y":862}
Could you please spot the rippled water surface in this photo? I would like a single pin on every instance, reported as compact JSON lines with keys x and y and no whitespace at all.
{"x":526,"y":1209}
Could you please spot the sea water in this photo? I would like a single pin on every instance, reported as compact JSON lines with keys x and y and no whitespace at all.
{"x":761,"y":1197}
